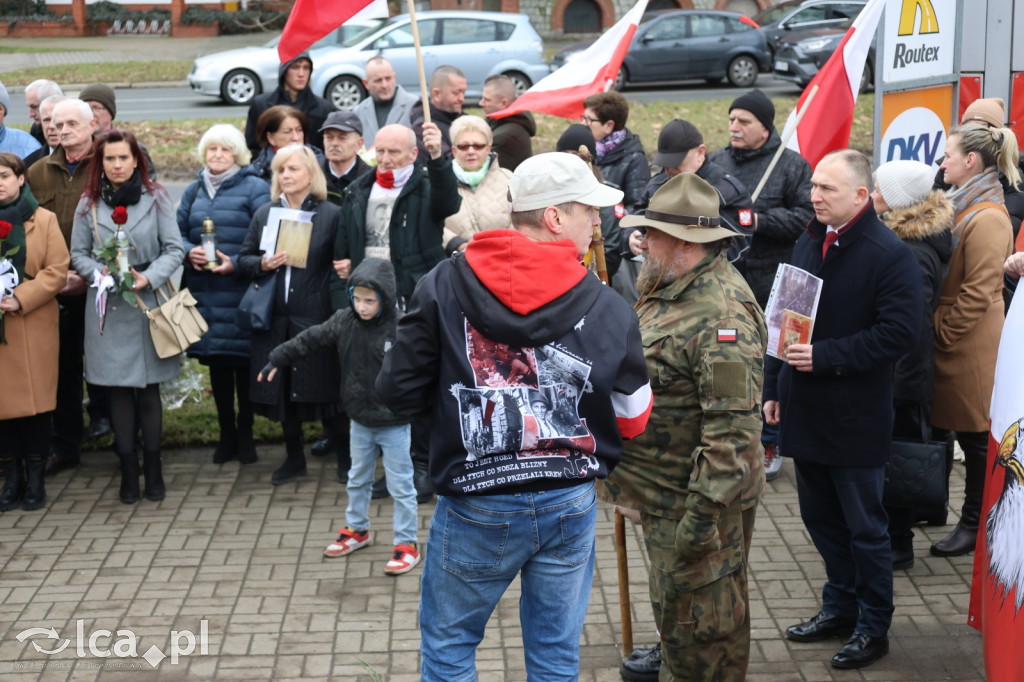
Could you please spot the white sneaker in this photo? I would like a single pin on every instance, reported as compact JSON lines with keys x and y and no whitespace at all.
{"x":403,"y":560}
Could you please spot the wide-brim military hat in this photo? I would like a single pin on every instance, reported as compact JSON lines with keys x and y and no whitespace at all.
{"x":685,"y":207}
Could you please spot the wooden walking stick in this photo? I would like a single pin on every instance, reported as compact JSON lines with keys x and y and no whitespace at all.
{"x":625,"y":613}
{"x":419,"y":63}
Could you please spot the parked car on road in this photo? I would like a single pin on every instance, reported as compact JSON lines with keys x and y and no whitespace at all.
{"x":800,"y":55}
{"x":797,"y":15}
{"x":236,"y":76}
{"x":482,"y":44}
{"x":672,"y":45}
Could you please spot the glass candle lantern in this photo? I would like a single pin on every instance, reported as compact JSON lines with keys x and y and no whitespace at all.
{"x":210,"y":244}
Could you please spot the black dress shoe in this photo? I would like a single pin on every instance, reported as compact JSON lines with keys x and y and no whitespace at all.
{"x":961,"y":541}
{"x":56,"y":464}
{"x":643,"y":665}
{"x":822,"y":626}
{"x":99,"y":427}
{"x":322,"y":447}
{"x":861,"y":651}
{"x":291,"y":468}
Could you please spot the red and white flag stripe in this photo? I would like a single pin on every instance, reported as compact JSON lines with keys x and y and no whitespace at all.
{"x":311,"y":20}
{"x":826,"y":125}
{"x":633,"y":410}
{"x":997,"y":590}
{"x":586,"y":73}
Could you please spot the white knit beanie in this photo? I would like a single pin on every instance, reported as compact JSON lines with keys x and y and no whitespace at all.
{"x":904,"y":183}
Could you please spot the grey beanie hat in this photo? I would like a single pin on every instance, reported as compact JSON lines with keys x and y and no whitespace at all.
{"x":904,"y":183}
{"x":5,"y":99}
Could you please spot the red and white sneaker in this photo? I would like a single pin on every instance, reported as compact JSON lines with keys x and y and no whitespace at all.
{"x":403,"y":560}
{"x":348,"y":541}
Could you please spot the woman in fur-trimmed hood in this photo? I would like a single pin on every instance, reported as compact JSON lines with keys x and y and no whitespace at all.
{"x":922,"y":218}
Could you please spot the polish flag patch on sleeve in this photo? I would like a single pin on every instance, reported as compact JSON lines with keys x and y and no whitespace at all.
{"x":727,"y":336}
{"x":746,"y":217}
{"x":620,"y":211}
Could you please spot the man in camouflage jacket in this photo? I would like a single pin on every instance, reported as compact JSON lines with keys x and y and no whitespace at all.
{"x":696,"y":474}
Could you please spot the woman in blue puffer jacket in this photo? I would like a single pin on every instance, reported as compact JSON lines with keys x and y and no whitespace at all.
{"x":228,"y":192}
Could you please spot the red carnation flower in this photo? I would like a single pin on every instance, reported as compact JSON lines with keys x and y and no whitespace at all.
{"x":120,"y":215}
{"x":5,"y":229}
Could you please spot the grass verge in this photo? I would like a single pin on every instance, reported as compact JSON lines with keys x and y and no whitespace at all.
{"x":103,"y":72}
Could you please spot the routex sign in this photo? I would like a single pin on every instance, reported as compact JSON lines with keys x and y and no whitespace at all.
{"x":919,"y":39}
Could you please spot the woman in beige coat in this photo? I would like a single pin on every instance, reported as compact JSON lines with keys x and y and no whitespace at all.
{"x":37,"y":258}
{"x":483,"y":185}
{"x":969,"y":318}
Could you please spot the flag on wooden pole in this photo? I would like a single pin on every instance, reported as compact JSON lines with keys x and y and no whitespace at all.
{"x":826,"y":125}
{"x":311,"y":20}
{"x":586,"y":73}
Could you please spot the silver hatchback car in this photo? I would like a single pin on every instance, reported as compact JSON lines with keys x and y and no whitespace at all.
{"x":236,"y":76}
{"x":482,"y":44}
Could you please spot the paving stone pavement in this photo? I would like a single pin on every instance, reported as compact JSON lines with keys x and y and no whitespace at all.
{"x":227,"y":547}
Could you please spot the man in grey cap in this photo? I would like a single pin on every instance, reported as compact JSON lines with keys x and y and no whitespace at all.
{"x":343,"y":138}
{"x":101,"y":99}
{"x":515,"y":321}
{"x":696,"y":474}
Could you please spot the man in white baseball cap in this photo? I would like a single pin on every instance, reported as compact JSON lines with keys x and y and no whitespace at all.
{"x":535,"y":373}
{"x":556,"y":196}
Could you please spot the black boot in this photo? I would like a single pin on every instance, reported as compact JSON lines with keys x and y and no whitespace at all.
{"x":14,"y":483}
{"x":903,"y":553}
{"x":379,"y":491}
{"x":35,"y":491}
{"x":153,"y":470}
{"x":227,"y":448}
{"x":246,"y":444}
{"x":129,"y":477}
{"x":965,"y":535}
{"x":294,"y":465}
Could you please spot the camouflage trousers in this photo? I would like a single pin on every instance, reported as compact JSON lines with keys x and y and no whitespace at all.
{"x":701,"y":608}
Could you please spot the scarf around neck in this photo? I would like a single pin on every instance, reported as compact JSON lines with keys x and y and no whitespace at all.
{"x":214,"y":182}
{"x":128,"y":194}
{"x":471,"y":178}
{"x":610,"y":142}
{"x":984,"y":187}
{"x":16,"y":213}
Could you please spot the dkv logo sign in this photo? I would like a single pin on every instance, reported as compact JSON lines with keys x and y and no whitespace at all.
{"x":182,"y":643}
{"x":917,"y":134}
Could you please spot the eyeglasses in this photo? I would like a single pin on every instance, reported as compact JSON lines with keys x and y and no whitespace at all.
{"x":589,"y":120}
{"x":466,"y":146}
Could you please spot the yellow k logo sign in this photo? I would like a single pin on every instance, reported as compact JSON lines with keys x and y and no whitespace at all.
{"x":929,"y":23}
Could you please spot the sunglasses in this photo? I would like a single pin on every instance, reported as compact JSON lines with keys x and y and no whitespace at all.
{"x":466,"y":146}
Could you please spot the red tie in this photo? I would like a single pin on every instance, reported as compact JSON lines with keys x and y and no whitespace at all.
{"x":385,"y":179}
{"x":831,"y":237}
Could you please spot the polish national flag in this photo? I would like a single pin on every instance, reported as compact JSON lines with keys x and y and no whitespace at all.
{"x":826,"y":125}
{"x":997,"y":590}
{"x":586,"y":73}
{"x":311,"y":20}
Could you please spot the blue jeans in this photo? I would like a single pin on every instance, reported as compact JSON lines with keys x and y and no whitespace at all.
{"x":476,"y":547}
{"x":843,"y":513}
{"x":364,"y":442}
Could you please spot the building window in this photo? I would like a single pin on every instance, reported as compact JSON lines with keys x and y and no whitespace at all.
{"x":582,"y":16}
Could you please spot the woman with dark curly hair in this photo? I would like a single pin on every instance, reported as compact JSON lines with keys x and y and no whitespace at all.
{"x":122,"y":205}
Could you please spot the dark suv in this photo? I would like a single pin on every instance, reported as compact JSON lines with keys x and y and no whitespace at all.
{"x":796,"y":15}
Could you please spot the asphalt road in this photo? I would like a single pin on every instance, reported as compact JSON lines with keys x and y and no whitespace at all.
{"x":166,"y":104}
